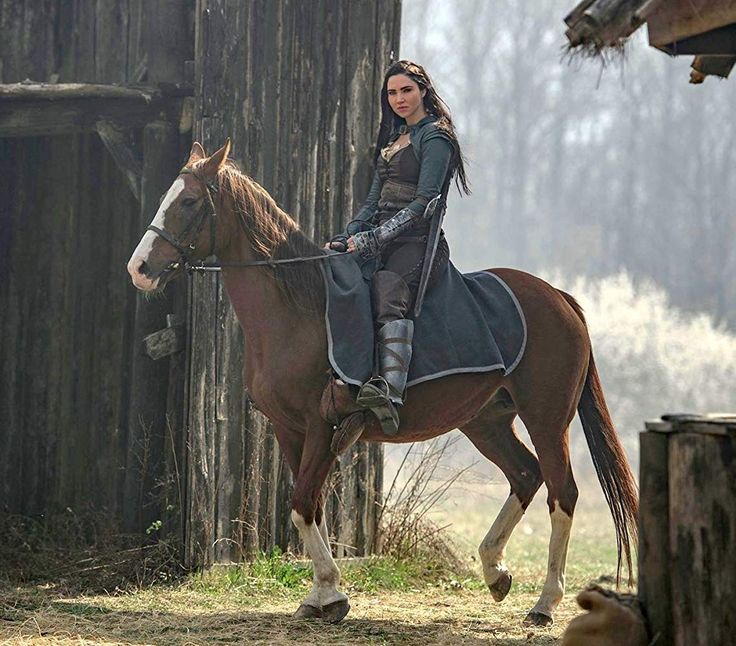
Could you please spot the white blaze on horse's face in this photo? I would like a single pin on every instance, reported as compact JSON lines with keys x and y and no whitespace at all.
{"x":140,"y":256}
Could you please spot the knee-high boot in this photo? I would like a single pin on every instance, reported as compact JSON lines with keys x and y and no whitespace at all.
{"x":383,"y":393}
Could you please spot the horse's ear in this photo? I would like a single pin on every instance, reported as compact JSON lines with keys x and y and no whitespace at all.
{"x":196,"y":153}
{"x":217,"y":161}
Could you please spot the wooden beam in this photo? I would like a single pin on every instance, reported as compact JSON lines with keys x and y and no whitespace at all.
{"x":37,"y":109}
{"x":716,"y":42}
{"x":672,"y":20}
{"x":577,"y":13}
{"x":711,"y":66}
{"x":602,"y":22}
{"x":120,"y":146}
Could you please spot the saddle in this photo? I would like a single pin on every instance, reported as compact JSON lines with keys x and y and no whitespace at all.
{"x":469,"y":323}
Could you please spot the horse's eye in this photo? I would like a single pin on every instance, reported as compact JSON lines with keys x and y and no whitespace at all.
{"x":189,"y":202}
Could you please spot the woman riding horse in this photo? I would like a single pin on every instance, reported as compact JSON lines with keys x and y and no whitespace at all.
{"x":212,"y":208}
{"x":417,"y":154}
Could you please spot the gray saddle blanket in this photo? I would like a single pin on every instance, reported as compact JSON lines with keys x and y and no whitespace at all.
{"x":469,"y":323}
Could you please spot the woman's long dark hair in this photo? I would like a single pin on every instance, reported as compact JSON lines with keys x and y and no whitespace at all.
{"x":433,"y":105}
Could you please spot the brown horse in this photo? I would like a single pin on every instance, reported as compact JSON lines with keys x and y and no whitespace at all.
{"x":212,"y":208}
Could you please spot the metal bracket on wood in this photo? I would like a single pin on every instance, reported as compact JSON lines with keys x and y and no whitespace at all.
{"x":167,"y":341}
{"x":119,"y":144}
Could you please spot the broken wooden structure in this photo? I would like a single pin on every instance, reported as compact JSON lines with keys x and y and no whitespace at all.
{"x":703,"y":28}
{"x":133,"y":408}
{"x":687,"y":529}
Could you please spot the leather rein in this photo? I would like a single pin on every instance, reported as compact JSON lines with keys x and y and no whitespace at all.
{"x":208,"y":212}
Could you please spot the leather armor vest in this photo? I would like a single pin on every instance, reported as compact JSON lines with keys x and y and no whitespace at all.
{"x":400,"y":175}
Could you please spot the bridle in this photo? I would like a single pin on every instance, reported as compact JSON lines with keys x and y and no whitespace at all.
{"x":208,"y":212}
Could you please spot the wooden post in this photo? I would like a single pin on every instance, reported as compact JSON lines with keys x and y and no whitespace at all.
{"x":147,"y":430}
{"x":703,"y":537}
{"x":654,"y":539}
{"x":688,"y":529}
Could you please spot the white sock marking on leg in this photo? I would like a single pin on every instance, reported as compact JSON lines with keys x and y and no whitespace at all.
{"x":554,"y":585}
{"x":494,"y":544}
{"x":326,"y":572}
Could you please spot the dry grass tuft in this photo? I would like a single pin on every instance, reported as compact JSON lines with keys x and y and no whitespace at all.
{"x":82,"y":554}
{"x":407,"y":531}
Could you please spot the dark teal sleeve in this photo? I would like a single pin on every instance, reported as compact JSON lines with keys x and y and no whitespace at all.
{"x":437,"y":154}
{"x":370,"y":206}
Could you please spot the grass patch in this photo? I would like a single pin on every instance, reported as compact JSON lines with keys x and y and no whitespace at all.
{"x":267,"y":574}
{"x":291,"y":577}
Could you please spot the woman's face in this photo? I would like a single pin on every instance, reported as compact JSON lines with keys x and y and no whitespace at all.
{"x":405,"y":98}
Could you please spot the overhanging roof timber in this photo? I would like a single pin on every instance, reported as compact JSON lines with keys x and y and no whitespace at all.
{"x":711,"y":66}
{"x":701,"y":27}
{"x":602,"y":23}
{"x":669,"y":21}
{"x":37,"y":109}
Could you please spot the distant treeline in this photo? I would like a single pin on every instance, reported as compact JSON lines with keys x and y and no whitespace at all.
{"x":579,"y":168}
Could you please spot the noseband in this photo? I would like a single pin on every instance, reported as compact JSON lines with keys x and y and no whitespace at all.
{"x":206,"y":211}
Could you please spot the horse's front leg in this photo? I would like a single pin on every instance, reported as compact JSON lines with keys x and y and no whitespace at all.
{"x":325,"y":601}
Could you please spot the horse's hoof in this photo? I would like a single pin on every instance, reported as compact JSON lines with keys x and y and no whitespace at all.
{"x":308,"y":612}
{"x":348,"y":433}
{"x":335,"y":612}
{"x":501,"y":587}
{"x":538,"y":619}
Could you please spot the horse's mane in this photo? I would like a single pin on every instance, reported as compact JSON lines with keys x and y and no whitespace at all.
{"x":274,"y":234}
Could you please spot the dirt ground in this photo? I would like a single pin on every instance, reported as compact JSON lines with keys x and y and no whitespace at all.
{"x":251,"y":607}
{"x":179,"y":618}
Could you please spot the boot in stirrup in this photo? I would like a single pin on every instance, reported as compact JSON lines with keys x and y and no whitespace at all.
{"x":382,"y":394}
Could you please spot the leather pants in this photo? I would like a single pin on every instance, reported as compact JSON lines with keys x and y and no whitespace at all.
{"x":394,"y":287}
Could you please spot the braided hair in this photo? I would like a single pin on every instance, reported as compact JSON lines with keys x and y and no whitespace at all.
{"x":433,"y":105}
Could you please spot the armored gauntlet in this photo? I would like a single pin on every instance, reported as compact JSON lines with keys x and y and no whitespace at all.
{"x":369,"y":243}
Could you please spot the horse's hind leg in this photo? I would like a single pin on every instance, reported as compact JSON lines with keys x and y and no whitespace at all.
{"x":554,"y":459}
{"x":494,"y":436}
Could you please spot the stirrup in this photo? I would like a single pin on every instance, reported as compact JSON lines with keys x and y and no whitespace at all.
{"x":374,"y":392}
{"x":388,"y":418}
{"x":374,"y":395}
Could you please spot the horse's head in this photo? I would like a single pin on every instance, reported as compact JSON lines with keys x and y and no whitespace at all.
{"x":183,"y":228}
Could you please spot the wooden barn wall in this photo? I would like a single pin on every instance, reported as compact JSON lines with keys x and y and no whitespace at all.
{"x":295,"y":86}
{"x":82,"y":411}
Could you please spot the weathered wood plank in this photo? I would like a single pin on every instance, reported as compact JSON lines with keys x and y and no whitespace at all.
{"x":654,"y":586}
{"x":174,"y":501}
{"x":168,"y":40}
{"x":120,"y":145}
{"x":27,"y":46}
{"x":702,"y":488}
{"x":200,"y":534}
{"x":230,"y":456}
{"x":257,"y":479}
{"x":111,"y":41}
{"x":165,"y":342}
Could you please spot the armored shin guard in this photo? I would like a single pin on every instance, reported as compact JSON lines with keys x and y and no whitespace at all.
{"x":386,"y":391}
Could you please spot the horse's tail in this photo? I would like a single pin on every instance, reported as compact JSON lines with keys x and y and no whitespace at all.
{"x":609,"y":458}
